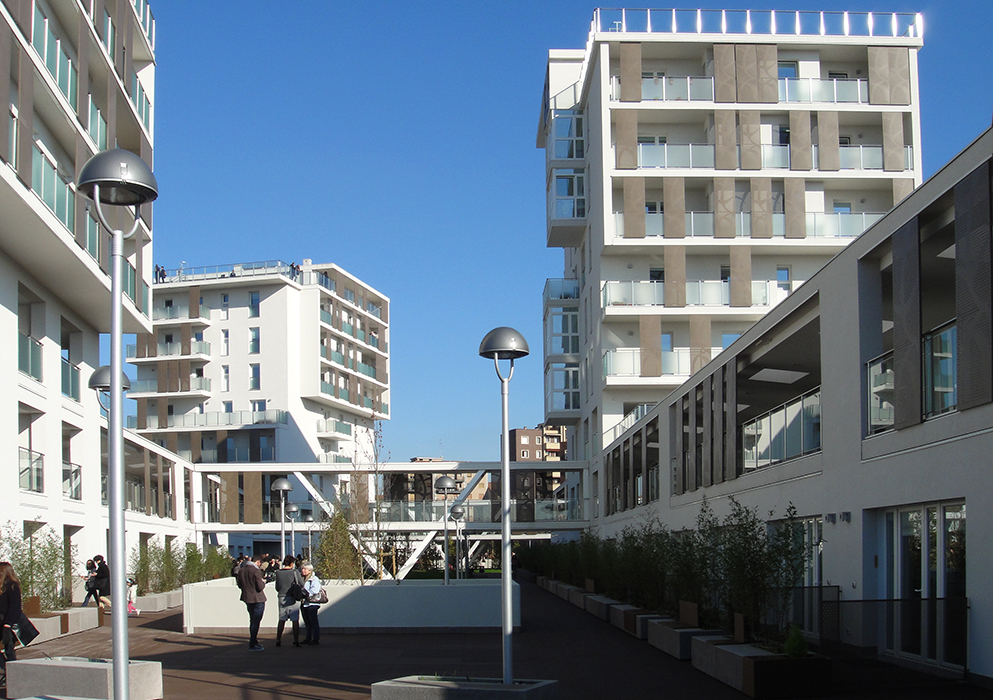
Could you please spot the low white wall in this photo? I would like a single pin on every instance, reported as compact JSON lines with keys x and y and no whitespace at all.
{"x":214,"y":606}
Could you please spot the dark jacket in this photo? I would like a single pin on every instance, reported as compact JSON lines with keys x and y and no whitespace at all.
{"x":103,"y":579}
{"x":10,"y":604}
{"x":251,"y":583}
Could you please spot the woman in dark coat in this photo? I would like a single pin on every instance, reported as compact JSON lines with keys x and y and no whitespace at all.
{"x":10,"y":612}
{"x":102,"y":581}
{"x":289,"y":608}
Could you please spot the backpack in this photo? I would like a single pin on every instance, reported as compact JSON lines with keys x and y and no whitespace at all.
{"x":296,"y":592}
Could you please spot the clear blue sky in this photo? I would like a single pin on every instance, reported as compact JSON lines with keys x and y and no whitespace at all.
{"x":398,"y":141}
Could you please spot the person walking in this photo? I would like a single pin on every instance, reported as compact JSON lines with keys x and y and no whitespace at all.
{"x":312,"y":587}
{"x":289,"y":607}
{"x":89,"y":582}
{"x":252,"y":586}
{"x":102,"y":583}
{"x":10,"y":614}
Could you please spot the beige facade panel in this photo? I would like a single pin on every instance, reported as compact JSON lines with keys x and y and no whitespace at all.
{"x":626,"y":124}
{"x":700,"y":348}
{"x":751,"y":140}
{"x":634,"y":207}
{"x":801,"y":151}
{"x":828,"y":149}
{"x":630,"y":72}
{"x":889,"y":75}
{"x":761,"y":207}
{"x":674,"y":198}
{"x":229,"y":497}
{"x":725,"y":82}
{"x":767,"y":69}
{"x":746,"y":72}
{"x":650,"y":328}
{"x":675,"y":276}
{"x":902,"y":187}
{"x":724,"y":207}
{"x":725,"y":140}
{"x":795,"y":197}
{"x":252,"y":486}
{"x":741,"y":276}
{"x":893,"y":158}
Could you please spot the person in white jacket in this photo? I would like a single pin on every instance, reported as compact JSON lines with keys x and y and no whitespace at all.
{"x":312,"y":585}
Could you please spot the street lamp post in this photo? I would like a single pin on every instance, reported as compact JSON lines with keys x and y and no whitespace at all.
{"x":309,"y":520}
{"x":117,"y":178}
{"x":505,"y":344}
{"x":282,"y":486}
{"x":457,"y":512}
{"x":292,"y":510}
{"x":445,"y":485}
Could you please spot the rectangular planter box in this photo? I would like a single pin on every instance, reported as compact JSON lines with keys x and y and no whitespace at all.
{"x":638,"y":624}
{"x":674,"y":638}
{"x":577,"y":597}
{"x":760,"y":673}
{"x":71,"y":676}
{"x":435,"y":688}
{"x":600,"y":606}
{"x":617,"y":614}
{"x":562,"y":590}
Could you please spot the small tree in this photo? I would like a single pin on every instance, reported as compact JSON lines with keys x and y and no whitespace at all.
{"x":40,"y":559}
{"x":334,"y":555}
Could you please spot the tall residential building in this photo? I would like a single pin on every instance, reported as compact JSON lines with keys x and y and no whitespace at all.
{"x":258,"y":371}
{"x":78,"y":78}
{"x":546,"y":443}
{"x":700,"y":166}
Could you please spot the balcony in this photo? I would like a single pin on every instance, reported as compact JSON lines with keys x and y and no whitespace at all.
{"x":31,"y":470}
{"x":198,"y":385}
{"x":626,"y":362}
{"x":643,"y":293}
{"x":632,"y":417}
{"x":880,"y":399}
{"x":839,"y":224}
{"x":214,"y":272}
{"x":940,"y":371}
{"x":560,"y":289}
{"x":197,"y":347}
{"x":72,"y":481}
{"x":180,"y":313}
{"x":708,"y":293}
{"x":29,"y":356}
{"x":832,"y":90}
{"x":367,"y":370}
{"x":789,"y":431}
{"x":670,"y":88}
{"x":240,"y":455}
{"x":333,"y":392}
{"x":334,"y":458}
{"x":672,"y":155}
{"x":482,"y":511}
{"x":70,"y":380}
{"x":214,"y":419}
{"x":331,"y":426}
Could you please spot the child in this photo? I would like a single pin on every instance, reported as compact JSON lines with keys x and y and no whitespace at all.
{"x":132,"y":610}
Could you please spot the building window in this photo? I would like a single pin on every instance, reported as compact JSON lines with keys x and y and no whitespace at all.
{"x":258,"y":405}
{"x":255,"y":376}
{"x":537,"y":454}
{"x":783,"y":281}
{"x":253,"y":341}
{"x":525,"y":439}
{"x":728,"y":338}
{"x":787,"y":69}
{"x":97,"y":126}
{"x":656,"y":274}
{"x":228,"y":407}
{"x":569,"y":193}
{"x":524,"y":454}
{"x":253,"y":305}
{"x":567,"y":131}
{"x":53,"y":187}
{"x":141,"y":102}
{"x":53,"y":52}
{"x":225,"y":341}
{"x":225,"y":378}
{"x":224,"y":307}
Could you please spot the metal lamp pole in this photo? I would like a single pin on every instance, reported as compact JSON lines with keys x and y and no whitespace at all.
{"x":505,"y":344}
{"x":293,"y":510}
{"x":117,"y":178}
{"x":444,"y":485}
{"x":282,"y":486}
{"x":309,"y":519}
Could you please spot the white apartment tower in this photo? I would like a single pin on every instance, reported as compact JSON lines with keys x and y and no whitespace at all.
{"x":258,"y":371}
{"x":700,"y":165}
{"x":76,"y":77}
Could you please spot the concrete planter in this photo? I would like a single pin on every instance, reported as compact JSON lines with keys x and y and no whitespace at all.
{"x":760,"y":673}
{"x":441,"y":688}
{"x":674,"y":638}
{"x":71,"y":676}
{"x":600,"y":605}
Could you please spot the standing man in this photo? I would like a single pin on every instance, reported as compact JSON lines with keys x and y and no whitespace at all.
{"x":252,"y":585}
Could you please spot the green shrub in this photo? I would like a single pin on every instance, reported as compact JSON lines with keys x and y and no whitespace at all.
{"x":795,"y":646}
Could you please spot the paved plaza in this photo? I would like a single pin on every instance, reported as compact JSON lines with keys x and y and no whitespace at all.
{"x":591,"y":660}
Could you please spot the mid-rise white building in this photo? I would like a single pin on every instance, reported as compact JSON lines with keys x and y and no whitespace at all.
{"x":77,"y":78}
{"x":259,"y":371}
{"x":700,"y":165}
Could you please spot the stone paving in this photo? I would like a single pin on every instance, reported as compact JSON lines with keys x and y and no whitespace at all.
{"x":590,"y":659}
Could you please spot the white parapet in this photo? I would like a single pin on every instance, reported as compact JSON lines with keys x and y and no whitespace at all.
{"x":214,"y":606}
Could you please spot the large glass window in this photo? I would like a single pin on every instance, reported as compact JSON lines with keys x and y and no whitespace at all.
{"x":253,"y":304}
{"x":141,"y":102}
{"x":253,"y":341}
{"x":940,"y":382}
{"x":568,"y":135}
{"x":569,"y":193}
{"x":562,"y":331}
{"x":563,"y":386}
{"x":53,"y":51}
{"x":789,"y":431}
{"x":53,"y":187}
{"x":255,"y":376}
{"x":97,"y":126}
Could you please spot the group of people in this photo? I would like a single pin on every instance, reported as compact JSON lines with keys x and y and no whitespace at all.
{"x":292,"y":575}
{"x":159,"y":274}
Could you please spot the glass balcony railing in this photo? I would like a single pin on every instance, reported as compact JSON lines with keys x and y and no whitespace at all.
{"x":481,"y":511}
{"x":29,"y":356}
{"x":630,"y":418}
{"x":561,"y":289}
{"x":626,"y":362}
{"x":708,"y":293}
{"x":70,"y":380}
{"x":671,"y":88}
{"x":940,"y":372}
{"x":673,"y":155}
{"x":365,"y":369}
{"x":832,"y":90}
{"x":700,"y":224}
{"x":197,"y":347}
{"x":334,"y":392}
{"x":787,"y":432}
{"x":331,"y":425}
{"x":775,"y":157}
{"x":238,"y":455}
{"x":334,"y":458}
{"x":152,"y":385}
{"x":861,"y":157}
{"x":880,"y":398}
{"x":635,"y":293}
{"x":32,"y":470}
{"x":839,"y":224}
{"x":167,"y":313}
{"x":214,"y":419}
{"x":72,"y":481}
